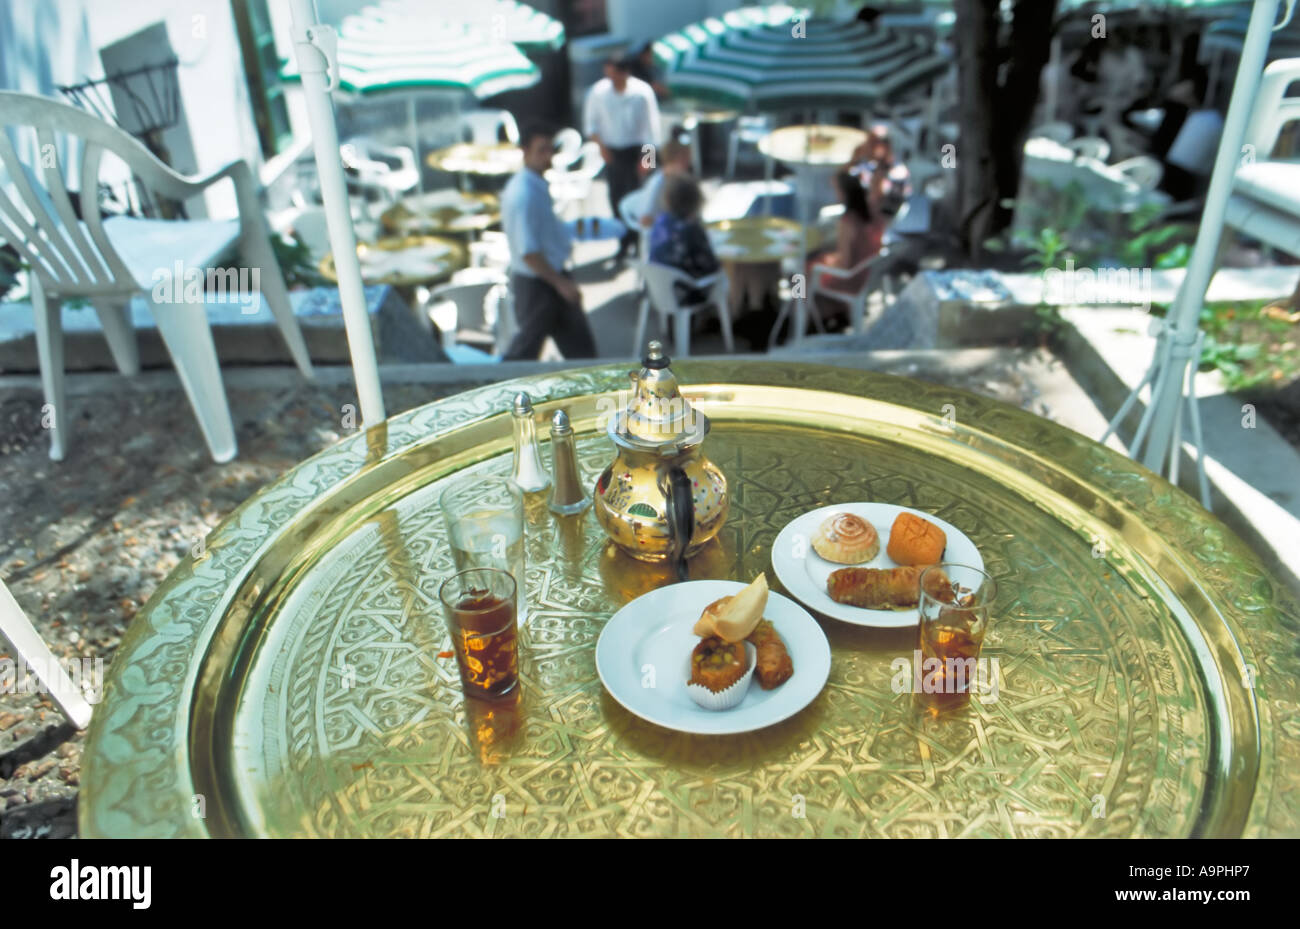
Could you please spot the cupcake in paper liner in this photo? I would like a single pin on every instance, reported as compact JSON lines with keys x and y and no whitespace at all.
{"x":728,"y":696}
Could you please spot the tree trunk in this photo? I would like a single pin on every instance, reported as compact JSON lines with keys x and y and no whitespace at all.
{"x":998,"y":91}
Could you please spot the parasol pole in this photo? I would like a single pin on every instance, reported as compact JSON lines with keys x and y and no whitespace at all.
{"x":1179,"y":336}
{"x":314,"y":46}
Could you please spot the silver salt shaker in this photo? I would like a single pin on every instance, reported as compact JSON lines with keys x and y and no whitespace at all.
{"x":568,"y":496}
{"x":529,"y":474}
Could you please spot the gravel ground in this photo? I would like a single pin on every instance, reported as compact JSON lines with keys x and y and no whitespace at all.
{"x":84,"y":542}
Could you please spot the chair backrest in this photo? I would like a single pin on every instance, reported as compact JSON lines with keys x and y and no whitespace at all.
{"x":367,"y":157}
{"x":1142,"y":170}
{"x":590,"y":163}
{"x":659,"y":281}
{"x":489,"y":127}
{"x":69,"y":254}
{"x":1092,"y":147}
{"x":1272,"y":108}
{"x":630,"y":210}
{"x":568,"y":146}
{"x":469,"y":299}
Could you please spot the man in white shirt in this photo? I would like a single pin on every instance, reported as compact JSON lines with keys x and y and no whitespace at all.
{"x":547,"y":301}
{"x":622,"y":115}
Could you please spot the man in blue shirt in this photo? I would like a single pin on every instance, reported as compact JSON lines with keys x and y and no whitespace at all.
{"x":547,"y":301}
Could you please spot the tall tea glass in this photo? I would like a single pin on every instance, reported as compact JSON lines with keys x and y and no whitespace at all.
{"x":485,"y":527}
{"x":955,"y":603}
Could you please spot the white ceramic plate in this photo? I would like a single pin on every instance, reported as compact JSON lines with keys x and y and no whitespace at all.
{"x":804,"y":573}
{"x":649,"y":641}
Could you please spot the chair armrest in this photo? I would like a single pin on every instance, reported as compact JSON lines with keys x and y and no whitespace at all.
{"x":846,"y":273}
{"x":1271,"y":105}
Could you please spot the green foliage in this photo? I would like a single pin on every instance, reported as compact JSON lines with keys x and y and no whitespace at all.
{"x":295,"y":260}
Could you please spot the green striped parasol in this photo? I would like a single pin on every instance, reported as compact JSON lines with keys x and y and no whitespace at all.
{"x":774,"y":58}
{"x":381,"y":51}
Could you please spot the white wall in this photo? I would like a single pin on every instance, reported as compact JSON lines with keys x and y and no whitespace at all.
{"x":45,"y":43}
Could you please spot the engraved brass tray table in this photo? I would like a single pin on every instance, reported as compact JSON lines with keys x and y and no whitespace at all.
{"x":289,"y":681}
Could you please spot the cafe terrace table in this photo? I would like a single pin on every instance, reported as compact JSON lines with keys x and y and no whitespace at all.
{"x":477,"y":159}
{"x":447,"y":212}
{"x":815,"y":145}
{"x":290,"y":681}
{"x":752,"y":250}
{"x":405,"y":261}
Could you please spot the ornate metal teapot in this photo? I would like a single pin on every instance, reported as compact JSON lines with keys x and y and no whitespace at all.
{"x":660,"y":499}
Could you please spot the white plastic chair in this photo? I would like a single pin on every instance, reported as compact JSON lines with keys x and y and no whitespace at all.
{"x":568,"y":146}
{"x":468,"y":321}
{"x":855,"y":300}
{"x":486,"y":127}
{"x":1142,"y":170}
{"x":110,"y":261}
{"x":1265,"y":201}
{"x":391,"y":170}
{"x":491,"y":250}
{"x":631,"y":209}
{"x":1093,"y":147}
{"x":32,"y":651}
{"x":659,"y":280}
{"x":570,"y":189}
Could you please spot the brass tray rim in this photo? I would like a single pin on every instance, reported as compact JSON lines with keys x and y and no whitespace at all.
{"x":107,"y":810}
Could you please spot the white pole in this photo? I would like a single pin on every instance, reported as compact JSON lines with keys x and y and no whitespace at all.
{"x":311,"y":42}
{"x":1177,"y":341}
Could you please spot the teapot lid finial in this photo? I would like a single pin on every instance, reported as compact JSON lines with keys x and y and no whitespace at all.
{"x":658,"y":416}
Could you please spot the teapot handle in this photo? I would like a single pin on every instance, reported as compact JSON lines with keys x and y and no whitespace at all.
{"x":681,"y":517}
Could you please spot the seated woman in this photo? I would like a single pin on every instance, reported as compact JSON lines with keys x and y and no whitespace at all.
{"x":858,"y":237}
{"x":888,"y":185}
{"x":678,"y":239}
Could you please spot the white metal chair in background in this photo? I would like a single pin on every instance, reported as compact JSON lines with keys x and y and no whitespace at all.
{"x":389,"y":170}
{"x":489,"y":127}
{"x":110,"y":261}
{"x":32,"y":651}
{"x":659,"y":280}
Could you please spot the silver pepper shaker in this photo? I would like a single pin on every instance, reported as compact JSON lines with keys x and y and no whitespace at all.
{"x":529,"y":474}
{"x":568,"y":496}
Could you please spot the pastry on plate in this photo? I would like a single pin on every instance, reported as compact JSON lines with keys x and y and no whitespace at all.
{"x":876,"y":588}
{"x":915,"y":541}
{"x":846,"y":538}
{"x":733,"y":618}
{"x":774,"y":666}
{"x":717,"y":665}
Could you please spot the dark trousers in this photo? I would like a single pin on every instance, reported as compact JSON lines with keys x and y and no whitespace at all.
{"x":540,"y":311}
{"x":623,"y":176}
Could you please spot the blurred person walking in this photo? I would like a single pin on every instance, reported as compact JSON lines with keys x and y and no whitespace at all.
{"x":547,"y":301}
{"x":622,"y":115}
